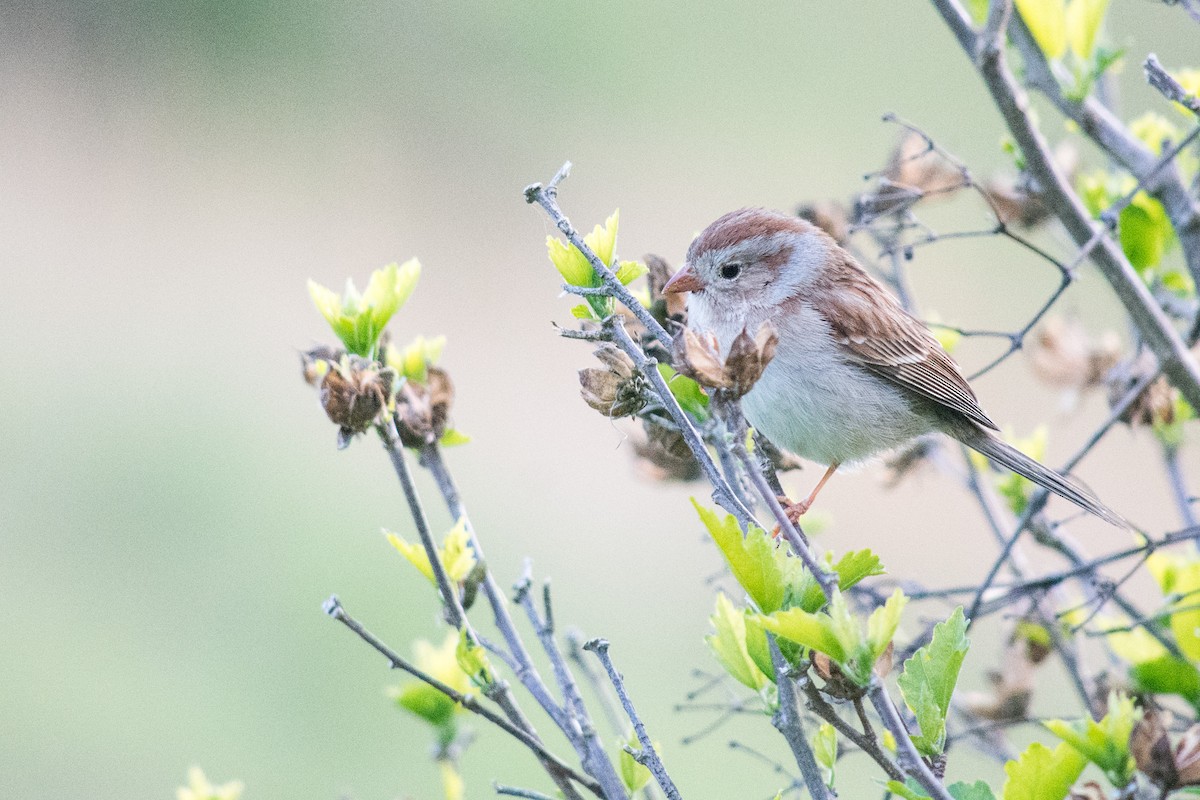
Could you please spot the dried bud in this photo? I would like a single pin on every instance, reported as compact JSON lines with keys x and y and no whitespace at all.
{"x":829,"y":216}
{"x":423,"y":409}
{"x":1187,"y":757}
{"x":883,"y":665}
{"x":617,"y":390}
{"x":749,"y":357}
{"x":315,"y":363}
{"x":1064,"y":356}
{"x":916,"y":164}
{"x":353,"y":393}
{"x":1151,"y":750}
{"x":674,"y":305}
{"x":665,"y":455}
{"x":1012,"y":688}
{"x":698,"y":357}
{"x":836,"y":682}
{"x":1017,"y":203}
{"x":1154,"y":406}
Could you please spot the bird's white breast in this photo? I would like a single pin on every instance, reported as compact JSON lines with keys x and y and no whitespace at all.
{"x":811,"y":399}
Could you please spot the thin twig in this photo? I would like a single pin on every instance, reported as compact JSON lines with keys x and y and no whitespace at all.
{"x":906,"y":752}
{"x":333,"y":608}
{"x":790,"y":724}
{"x":647,"y":756}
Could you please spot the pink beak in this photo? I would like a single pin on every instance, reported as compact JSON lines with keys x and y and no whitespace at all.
{"x":684,"y":281}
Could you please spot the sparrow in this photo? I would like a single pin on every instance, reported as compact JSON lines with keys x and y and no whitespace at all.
{"x":854,"y":374}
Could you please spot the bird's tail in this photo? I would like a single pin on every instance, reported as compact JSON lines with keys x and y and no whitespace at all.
{"x":1011,"y":458}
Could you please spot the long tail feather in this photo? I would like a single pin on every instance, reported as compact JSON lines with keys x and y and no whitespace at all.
{"x":1011,"y":458}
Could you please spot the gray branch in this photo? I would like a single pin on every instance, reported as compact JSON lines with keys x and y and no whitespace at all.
{"x":648,"y":756}
{"x":788,"y":722}
{"x":1152,"y":323}
{"x":333,"y":608}
{"x":590,"y":750}
{"x":906,"y":752}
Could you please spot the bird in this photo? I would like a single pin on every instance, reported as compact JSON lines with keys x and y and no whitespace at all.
{"x":854,"y":374}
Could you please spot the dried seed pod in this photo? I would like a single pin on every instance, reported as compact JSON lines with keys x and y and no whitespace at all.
{"x":697,"y":357}
{"x":1187,"y":757}
{"x":1064,"y":356}
{"x":423,"y":409}
{"x":828,"y":215}
{"x":353,"y":393}
{"x":1151,"y":750}
{"x":664,"y":455}
{"x":618,"y":389}
{"x":315,"y":363}
{"x":836,"y":682}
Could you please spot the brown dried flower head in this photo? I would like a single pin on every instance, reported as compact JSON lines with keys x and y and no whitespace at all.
{"x":828,"y":215}
{"x":836,"y":682}
{"x":698,"y":357}
{"x":1088,"y":791}
{"x":423,"y":409}
{"x":664,"y":455}
{"x":1064,"y":356}
{"x":617,"y":389}
{"x":353,"y":393}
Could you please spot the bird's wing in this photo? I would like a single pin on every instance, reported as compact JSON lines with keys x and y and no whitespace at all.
{"x":875,"y":331}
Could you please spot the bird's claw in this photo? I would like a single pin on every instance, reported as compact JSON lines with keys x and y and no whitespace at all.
{"x":793,"y":511}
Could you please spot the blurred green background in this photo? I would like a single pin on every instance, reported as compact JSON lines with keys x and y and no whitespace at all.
{"x":172,"y":509}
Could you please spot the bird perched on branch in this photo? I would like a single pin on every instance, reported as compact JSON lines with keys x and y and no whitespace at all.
{"x":853,"y":373}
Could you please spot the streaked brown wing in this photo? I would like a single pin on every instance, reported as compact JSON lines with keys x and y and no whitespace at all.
{"x":879,"y":334}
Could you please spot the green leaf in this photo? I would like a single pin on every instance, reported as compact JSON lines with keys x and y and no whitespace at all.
{"x":1083,"y":24}
{"x":1104,"y":743}
{"x":359,"y":320}
{"x":1043,"y":774}
{"x":473,"y":661}
{"x":970,"y":791}
{"x":1170,"y":433}
{"x":634,"y":775}
{"x":427,"y":703}
{"x":815,"y":631}
{"x":757,"y":646}
{"x":928,"y":681}
{"x":414,"y":359}
{"x":1145,"y":231}
{"x":583,"y":311}
{"x":1178,"y":575}
{"x":687,"y":392}
{"x":911,"y":790}
{"x":838,"y":633}
{"x":825,"y":750}
{"x":1047,"y":21}
{"x":630,"y":271}
{"x":730,"y":647}
{"x":1167,"y":675}
{"x":762,"y":568}
{"x":453,"y":438}
{"x":851,"y":568}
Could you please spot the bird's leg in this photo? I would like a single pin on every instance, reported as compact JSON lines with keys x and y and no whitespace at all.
{"x":796,"y":510}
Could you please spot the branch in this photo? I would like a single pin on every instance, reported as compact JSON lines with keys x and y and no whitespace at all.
{"x":865,"y":741}
{"x":1170,"y":88}
{"x":590,"y":751}
{"x":787,"y":721}
{"x":648,"y":757}
{"x":333,"y":608}
{"x":906,"y":751}
{"x":1102,"y":126}
{"x":547,"y":198}
{"x":1151,"y":322}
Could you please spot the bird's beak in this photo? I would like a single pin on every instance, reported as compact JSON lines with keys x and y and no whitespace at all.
{"x":683,"y":281}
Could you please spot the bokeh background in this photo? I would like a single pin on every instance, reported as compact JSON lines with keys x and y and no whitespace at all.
{"x":172,"y":509}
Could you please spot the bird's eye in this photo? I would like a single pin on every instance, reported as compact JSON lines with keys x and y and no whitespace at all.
{"x":731,"y":270}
